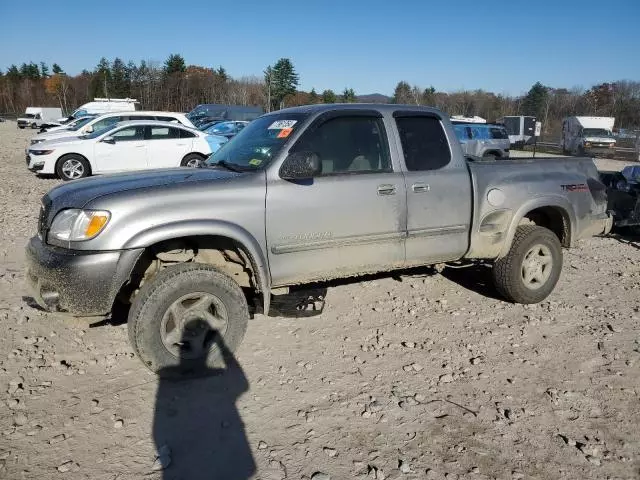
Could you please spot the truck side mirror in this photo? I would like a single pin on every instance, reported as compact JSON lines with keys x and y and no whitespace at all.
{"x":300,"y":166}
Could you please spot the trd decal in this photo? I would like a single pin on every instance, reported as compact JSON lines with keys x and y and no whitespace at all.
{"x":575,"y":187}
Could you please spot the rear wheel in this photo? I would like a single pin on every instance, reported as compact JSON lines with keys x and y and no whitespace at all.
{"x":72,"y":167}
{"x":192,"y":160}
{"x":187,"y":319}
{"x":531,"y":269}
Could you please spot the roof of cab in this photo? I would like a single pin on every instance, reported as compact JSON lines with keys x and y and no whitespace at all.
{"x":381,"y":107}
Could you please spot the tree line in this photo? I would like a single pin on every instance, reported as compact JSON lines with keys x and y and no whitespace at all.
{"x":174,"y":85}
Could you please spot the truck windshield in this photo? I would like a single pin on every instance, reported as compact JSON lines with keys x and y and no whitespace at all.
{"x":596,"y":132}
{"x":258,"y":143}
{"x":29,"y":115}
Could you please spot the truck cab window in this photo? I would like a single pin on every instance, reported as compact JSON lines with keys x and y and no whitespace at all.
{"x":349,"y":145}
{"x":424,"y":143}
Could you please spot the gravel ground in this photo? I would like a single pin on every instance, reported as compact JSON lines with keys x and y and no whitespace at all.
{"x":423,"y":374}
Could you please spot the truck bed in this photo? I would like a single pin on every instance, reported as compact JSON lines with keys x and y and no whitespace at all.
{"x":505,"y":191}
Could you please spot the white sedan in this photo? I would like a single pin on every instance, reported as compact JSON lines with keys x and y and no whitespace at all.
{"x":127,"y":146}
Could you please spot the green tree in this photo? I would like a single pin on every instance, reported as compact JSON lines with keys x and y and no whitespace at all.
{"x":328,"y":96}
{"x":429,"y":96}
{"x":535,"y":100}
{"x":13,"y":73}
{"x":120,"y":84}
{"x":44,"y":70}
{"x":348,"y":95}
{"x":56,"y":69}
{"x":101,"y":80}
{"x":174,"y":64}
{"x":313,"y":96}
{"x":402,"y":93}
{"x":222,"y":74}
{"x":283,"y":81}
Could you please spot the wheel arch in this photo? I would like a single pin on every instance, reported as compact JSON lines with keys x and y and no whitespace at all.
{"x":554,"y":213}
{"x":211,"y":232}
{"x":70,"y":154}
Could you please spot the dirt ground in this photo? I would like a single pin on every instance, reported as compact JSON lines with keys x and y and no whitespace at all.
{"x":423,"y":374}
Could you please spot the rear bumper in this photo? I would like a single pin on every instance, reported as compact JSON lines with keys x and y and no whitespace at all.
{"x":78,"y":282}
{"x":599,"y":225}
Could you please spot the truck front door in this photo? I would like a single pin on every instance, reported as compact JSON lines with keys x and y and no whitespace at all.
{"x":347,"y":220}
{"x":439,"y":195}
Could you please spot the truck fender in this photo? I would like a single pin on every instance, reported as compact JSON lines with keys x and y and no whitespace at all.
{"x":556,"y":201}
{"x":192,"y":228}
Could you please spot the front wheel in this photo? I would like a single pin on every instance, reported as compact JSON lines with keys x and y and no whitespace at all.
{"x":192,"y":160}
{"x":187,"y":320}
{"x":531,"y":269}
{"x":34,"y":126}
{"x":72,"y":167}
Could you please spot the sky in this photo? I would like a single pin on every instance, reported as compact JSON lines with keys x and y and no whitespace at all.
{"x":369,"y":46}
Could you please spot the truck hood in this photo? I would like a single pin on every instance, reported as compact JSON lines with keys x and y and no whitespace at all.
{"x":77,"y":193}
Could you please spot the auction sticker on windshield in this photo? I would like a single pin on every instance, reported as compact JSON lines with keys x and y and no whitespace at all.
{"x":282,"y":124}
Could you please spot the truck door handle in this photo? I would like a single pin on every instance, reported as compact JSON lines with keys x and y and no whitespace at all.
{"x":420,"y":187}
{"x":386,"y":189}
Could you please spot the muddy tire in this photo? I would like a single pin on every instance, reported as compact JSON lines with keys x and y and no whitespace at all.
{"x":531,"y":269}
{"x":186,"y":320}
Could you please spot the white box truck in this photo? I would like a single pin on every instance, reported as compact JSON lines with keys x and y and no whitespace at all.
{"x":104,"y":105}
{"x":588,"y":136}
{"x":35,"y":117}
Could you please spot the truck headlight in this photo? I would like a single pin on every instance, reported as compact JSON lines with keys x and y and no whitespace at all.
{"x":74,"y":225}
{"x":587,"y":144}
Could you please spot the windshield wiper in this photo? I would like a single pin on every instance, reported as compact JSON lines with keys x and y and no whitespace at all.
{"x":229,"y":166}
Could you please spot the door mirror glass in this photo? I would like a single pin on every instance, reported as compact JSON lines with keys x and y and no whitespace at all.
{"x":109,"y":139}
{"x":300,"y":166}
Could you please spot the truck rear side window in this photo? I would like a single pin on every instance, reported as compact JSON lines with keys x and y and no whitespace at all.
{"x":424,"y":143}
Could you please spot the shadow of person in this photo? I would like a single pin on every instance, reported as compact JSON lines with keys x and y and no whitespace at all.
{"x":197,"y":429}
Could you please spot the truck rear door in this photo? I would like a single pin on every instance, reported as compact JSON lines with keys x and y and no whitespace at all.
{"x":347,"y":220}
{"x":438,"y":186}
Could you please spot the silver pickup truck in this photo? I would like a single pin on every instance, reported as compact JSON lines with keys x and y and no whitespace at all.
{"x":301,"y":195}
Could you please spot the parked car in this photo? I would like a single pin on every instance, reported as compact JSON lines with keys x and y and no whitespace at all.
{"x":98,"y":123}
{"x":300,"y":195}
{"x":486,"y":141}
{"x":78,"y":122}
{"x":207,"y":123}
{"x":215,"y":141}
{"x":588,"y":135}
{"x":34,"y":117}
{"x":214,"y":111}
{"x":126,"y":146}
{"x":623,"y":194}
{"x":105,"y":105}
{"x":226,"y":129}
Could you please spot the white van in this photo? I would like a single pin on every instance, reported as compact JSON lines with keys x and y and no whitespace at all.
{"x":588,"y":136}
{"x":105,"y":105}
{"x":35,"y":117}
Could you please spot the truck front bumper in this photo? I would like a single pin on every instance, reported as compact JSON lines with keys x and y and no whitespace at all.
{"x":81,"y":283}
